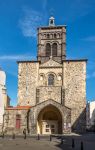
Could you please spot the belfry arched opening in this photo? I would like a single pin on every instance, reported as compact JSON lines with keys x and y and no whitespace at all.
{"x":49,"y":121}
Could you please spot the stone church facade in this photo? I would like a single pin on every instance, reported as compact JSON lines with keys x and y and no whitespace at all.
{"x":51,"y":90}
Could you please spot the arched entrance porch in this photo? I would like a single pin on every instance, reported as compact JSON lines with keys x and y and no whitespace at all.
{"x":49,"y":121}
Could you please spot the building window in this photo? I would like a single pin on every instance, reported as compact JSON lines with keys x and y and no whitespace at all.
{"x":47,"y":126}
{"x":37,"y":95}
{"x":54,"y":35}
{"x":47,"y":130}
{"x":48,"y":36}
{"x":58,"y":35}
{"x":41,"y":77}
{"x":50,"y":79}
{"x":48,"y":49}
{"x":18,"y":121}
{"x":54,"y":49}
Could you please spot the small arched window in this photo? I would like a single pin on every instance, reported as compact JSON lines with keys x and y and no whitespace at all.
{"x":48,"y":36}
{"x":50,"y":79}
{"x":54,"y":35}
{"x":54,"y":49}
{"x":58,"y":35}
{"x":48,"y":49}
{"x":44,"y":35}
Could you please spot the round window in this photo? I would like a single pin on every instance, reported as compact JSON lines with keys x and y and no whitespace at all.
{"x":59,"y":77}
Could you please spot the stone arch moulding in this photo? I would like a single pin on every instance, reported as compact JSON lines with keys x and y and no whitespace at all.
{"x":51,"y":42}
{"x":48,"y":41}
{"x":51,"y":73}
{"x":50,"y":114}
{"x":42,"y":105}
{"x":55,"y":41}
{"x":48,"y":49}
{"x":35,"y":111}
{"x":54,"y":49}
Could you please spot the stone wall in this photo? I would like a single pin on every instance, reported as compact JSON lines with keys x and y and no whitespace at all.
{"x":46,"y":71}
{"x":75,"y":91}
{"x":27,"y":82}
{"x":46,"y":93}
{"x":70,"y":91}
{"x":56,"y":35}
{"x":65,"y":113}
{"x":3,"y":96}
{"x":10,"y":121}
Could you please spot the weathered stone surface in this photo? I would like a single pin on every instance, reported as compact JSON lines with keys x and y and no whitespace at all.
{"x":4,"y":99}
{"x":50,"y":63}
{"x":10,"y":121}
{"x":27,"y":82}
{"x":75,"y":90}
{"x":56,"y":34}
{"x":67,"y":94}
{"x":46,"y":93}
{"x":34,"y":113}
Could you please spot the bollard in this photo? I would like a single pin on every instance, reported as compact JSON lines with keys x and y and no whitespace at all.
{"x":82,"y":146}
{"x":50,"y":137}
{"x":61,"y":140}
{"x":13,"y":136}
{"x":38,"y":137}
{"x":73,"y":143}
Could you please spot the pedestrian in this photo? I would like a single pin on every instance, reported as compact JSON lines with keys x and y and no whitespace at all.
{"x":24,"y":133}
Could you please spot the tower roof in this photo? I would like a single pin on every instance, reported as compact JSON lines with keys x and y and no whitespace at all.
{"x":51,"y":21}
{"x":51,"y":17}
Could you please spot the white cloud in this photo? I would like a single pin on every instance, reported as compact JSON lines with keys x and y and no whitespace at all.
{"x":12,"y":72}
{"x":88,"y":76}
{"x":89,"y":39}
{"x":93,"y":75}
{"x":8,"y":62}
{"x":44,"y":4}
{"x":16,"y":57}
{"x":91,"y":65}
{"x":77,"y":9}
{"x":31,"y":20}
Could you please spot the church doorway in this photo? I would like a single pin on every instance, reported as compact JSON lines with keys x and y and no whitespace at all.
{"x":49,"y":121}
{"x":49,"y":127}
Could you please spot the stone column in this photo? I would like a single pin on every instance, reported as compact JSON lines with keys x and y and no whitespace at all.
{"x":63,"y":43}
{"x":33,"y":123}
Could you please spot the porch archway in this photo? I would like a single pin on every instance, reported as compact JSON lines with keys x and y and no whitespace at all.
{"x":49,"y":121}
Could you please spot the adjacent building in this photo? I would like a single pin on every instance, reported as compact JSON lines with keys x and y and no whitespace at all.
{"x":4,"y":99}
{"x":51,"y":90}
{"x":90,"y":115}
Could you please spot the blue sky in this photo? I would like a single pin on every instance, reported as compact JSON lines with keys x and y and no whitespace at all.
{"x":19,"y":20}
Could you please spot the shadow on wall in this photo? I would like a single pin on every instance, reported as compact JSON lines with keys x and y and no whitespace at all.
{"x":92,"y":122}
{"x":79,"y":125}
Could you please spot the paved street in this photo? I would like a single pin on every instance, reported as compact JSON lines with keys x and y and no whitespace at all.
{"x":44,"y":144}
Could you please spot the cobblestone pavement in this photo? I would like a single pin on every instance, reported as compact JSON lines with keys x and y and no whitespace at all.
{"x":19,"y":143}
{"x":28,"y":144}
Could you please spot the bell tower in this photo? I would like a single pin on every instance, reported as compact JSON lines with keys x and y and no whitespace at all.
{"x":52,"y":42}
